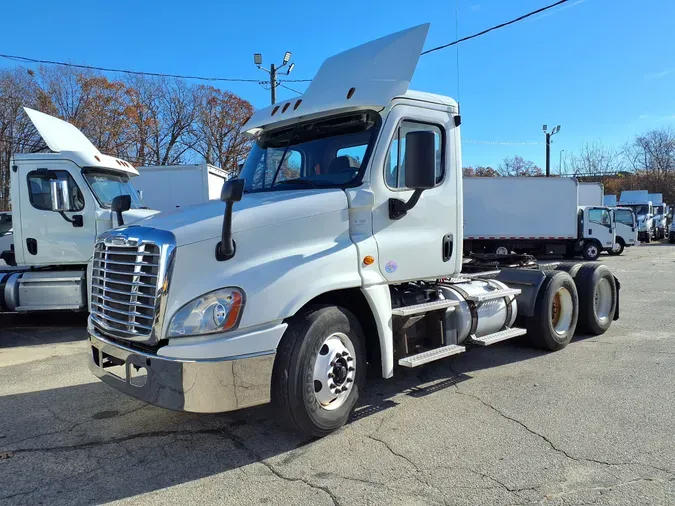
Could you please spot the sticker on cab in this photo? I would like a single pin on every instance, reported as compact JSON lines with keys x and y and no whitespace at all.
{"x":390,"y":267}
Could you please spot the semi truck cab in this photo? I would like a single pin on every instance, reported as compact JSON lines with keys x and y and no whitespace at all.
{"x":61,"y":201}
{"x":338,"y":248}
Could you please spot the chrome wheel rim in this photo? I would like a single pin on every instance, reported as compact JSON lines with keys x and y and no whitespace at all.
{"x":592,"y":251}
{"x":562,"y":309}
{"x":334,"y":371}
{"x":616,"y":248}
{"x":502,"y":250}
{"x":602,"y":299}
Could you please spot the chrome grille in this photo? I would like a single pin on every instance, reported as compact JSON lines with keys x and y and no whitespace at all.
{"x":125,"y":288}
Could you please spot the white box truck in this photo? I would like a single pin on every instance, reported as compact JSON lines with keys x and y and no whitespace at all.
{"x":345,"y":252}
{"x":591,"y":194}
{"x":61,"y":201}
{"x":660,"y":209}
{"x":533,"y":215}
{"x":641,"y":204}
{"x":169,"y":187}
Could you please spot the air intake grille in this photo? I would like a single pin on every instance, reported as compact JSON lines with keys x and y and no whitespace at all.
{"x":124,"y":289}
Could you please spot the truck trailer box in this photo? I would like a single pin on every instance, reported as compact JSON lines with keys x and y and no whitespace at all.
{"x":591,"y":194}
{"x":610,"y":200}
{"x":168,"y":187}
{"x":523,"y":208}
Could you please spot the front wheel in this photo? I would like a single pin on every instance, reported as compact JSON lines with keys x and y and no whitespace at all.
{"x":319,"y":371}
{"x":617,"y":249}
{"x":590,"y":250}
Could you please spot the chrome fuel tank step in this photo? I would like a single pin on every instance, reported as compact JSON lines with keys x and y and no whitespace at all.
{"x":497,"y":337}
{"x":430,"y":356}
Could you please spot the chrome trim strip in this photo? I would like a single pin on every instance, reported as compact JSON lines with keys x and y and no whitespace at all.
{"x":109,"y":299}
{"x":109,"y":271}
{"x":119,"y":282}
{"x":120,"y":311}
{"x":105,"y":317}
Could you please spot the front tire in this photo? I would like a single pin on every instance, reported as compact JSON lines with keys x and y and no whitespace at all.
{"x":617,"y":249}
{"x":556,"y":312}
{"x":320,"y":370}
{"x":591,"y":250}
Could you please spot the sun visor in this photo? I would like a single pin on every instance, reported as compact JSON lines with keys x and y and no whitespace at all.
{"x":60,"y":135}
{"x":367,"y":75}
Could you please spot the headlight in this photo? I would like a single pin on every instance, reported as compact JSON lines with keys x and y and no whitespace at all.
{"x":214,"y":312}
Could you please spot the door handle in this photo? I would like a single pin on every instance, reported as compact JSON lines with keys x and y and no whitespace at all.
{"x":31,"y":246}
{"x":590,"y":231}
{"x":447,"y":247}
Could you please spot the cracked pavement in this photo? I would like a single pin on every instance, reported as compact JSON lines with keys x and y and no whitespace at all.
{"x":591,"y":424}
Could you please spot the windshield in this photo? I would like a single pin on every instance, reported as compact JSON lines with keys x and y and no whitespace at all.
{"x":658,"y":210}
{"x":107,"y":185}
{"x":640,"y":209}
{"x":625,"y":217}
{"x":330,"y":152}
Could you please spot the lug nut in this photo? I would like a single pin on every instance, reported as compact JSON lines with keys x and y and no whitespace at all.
{"x":332,"y":364}
{"x":332,"y":385}
{"x":344,"y":389}
{"x":351,"y":369}
{"x":330,"y":374}
{"x":349,"y":359}
{"x":345,"y":353}
{"x":349,"y":380}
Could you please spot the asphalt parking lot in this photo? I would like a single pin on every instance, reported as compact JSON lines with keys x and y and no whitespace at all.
{"x":591,"y":424}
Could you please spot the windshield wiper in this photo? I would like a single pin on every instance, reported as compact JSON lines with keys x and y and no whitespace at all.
{"x":283,"y":156}
{"x":300,"y":180}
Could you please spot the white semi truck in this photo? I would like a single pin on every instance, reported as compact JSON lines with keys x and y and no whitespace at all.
{"x":169,"y":187}
{"x":641,"y":204}
{"x":660,"y":215}
{"x":61,"y":201}
{"x":340,"y":247}
{"x":609,"y":201}
{"x":534,"y":215}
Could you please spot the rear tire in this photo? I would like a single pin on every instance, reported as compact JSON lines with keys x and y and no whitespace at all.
{"x":591,"y":250}
{"x":597,"y":298}
{"x":556,"y":312}
{"x":302,"y":371}
{"x":570,"y":269}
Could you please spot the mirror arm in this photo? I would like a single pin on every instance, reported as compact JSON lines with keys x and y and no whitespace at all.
{"x":76,"y":220}
{"x":226,"y":248}
{"x":398,"y":209}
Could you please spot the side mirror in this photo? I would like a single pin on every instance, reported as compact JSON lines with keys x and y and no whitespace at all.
{"x":232,"y":192}
{"x":420,"y":170}
{"x":120,"y":204}
{"x":420,"y":160}
{"x":59,"y":191}
{"x":140,"y":194}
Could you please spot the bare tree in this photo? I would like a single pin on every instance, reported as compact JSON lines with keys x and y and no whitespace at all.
{"x":479,"y":171}
{"x":216,"y":133}
{"x":595,"y":159}
{"x":518,"y":166}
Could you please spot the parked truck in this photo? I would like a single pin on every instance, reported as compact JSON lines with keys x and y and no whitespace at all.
{"x":61,"y":201}
{"x":641,"y":204}
{"x":533,"y":215}
{"x":169,"y":187}
{"x":660,"y":215}
{"x":6,"y":235}
{"x":339,"y":248}
{"x":626,"y":229}
{"x":609,"y":201}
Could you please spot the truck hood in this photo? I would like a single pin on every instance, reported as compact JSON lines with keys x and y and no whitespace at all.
{"x":204,"y":221}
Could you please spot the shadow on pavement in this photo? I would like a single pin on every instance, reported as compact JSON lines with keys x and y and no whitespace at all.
{"x":41,"y":328}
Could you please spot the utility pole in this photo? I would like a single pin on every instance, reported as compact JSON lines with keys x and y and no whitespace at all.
{"x":548,"y":147}
{"x":257,"y":59}
{"x":560,"y":165}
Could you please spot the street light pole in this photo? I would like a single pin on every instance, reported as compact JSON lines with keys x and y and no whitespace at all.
{"x":273,"y":83}
{"x":560,"y":166}
{"x":548,"y":147}
{"x":257,"y":59}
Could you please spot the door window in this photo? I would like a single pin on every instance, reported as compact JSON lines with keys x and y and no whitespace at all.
{"x":394,"y":166}
{"x":40,"y":193}
{"x":600,"y":216}
{"x":625,"y":217}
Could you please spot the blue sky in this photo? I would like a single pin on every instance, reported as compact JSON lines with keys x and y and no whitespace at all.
{"x":603,"y":69}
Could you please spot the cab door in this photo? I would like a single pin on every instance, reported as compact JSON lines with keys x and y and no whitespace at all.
{"x":46,"y":237}
{"x":600,"y":226}
{"x":423,"y":243}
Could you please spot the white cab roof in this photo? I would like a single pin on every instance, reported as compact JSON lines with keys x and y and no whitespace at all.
{"x":367,"y":76}
{"x":65,"y":139}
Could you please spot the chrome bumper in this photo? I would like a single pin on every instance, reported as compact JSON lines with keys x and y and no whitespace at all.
{"x":199,"y":386}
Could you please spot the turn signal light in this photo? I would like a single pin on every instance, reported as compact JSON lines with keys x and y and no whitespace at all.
{"x":368,"y":260}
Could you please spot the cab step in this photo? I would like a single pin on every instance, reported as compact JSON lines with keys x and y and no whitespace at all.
{"x":496,"y":294}
{"x":425,"y":307}
{"x":430,"y":356}
{"x":502,"y":335}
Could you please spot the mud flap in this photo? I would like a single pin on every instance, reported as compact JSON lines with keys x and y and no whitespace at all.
{"x":618,"y":291}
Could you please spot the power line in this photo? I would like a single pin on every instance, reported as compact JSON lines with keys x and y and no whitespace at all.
{"x":289,"y":88}
{"x":496,"y":27}
{"x":25,"y":59}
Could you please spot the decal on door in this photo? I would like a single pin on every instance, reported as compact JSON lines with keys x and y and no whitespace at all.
{"x":390,"y":267}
